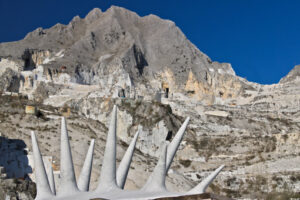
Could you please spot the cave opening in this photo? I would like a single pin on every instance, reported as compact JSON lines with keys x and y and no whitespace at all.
{"x":166,"y":92}
{"x":29,"y":64}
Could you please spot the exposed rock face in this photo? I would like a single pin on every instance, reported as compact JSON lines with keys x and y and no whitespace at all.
{"x":8,"y":63}
{"x":44,"y":90}
{"x":293,"y":75}
{"x":154,"y":120}
{"x":10,"y":81}
{"x":119,"y":42}
{"x":258,"y":144}
{"x":32,"y":58}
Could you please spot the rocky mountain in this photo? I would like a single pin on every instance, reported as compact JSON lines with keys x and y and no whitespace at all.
{"x":150,"y":54}
{"x":157,"y":77}
{"x":293,"y":75}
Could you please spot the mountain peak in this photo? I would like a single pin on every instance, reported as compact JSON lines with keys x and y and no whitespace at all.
{"x":142,"y":47}
{"x":293,"y":75}
{"x":93,"y":15}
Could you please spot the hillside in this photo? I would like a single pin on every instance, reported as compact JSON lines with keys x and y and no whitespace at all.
{"x":157,"y":77}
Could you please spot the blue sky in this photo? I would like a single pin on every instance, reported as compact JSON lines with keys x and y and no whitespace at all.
{"x":260,"y":38}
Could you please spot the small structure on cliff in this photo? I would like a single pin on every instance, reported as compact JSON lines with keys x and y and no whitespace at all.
{"x":29,"y":109}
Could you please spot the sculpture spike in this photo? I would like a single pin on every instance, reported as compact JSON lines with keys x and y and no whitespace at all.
{"x":123,"y":168}
{"x":42,"y":183}
{"x":85,"y":175}
{"x":67,"y":174}
{"x":108,"y":170}
{"x":173,"y":146}
{"x":51,"y":180}
{"x":156,"y":181}
{"x":201,"y":187}
{"x":108,"y":188}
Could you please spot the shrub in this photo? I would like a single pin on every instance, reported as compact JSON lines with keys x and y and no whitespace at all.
{"x":185,"y":163}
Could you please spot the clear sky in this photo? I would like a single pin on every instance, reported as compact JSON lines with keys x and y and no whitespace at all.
{"x":260,"y":38}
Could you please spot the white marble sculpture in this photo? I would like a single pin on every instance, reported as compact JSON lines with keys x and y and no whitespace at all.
{"x":112,"y":180}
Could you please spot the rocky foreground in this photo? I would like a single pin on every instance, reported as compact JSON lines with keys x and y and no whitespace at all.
{"x":147,"y":67}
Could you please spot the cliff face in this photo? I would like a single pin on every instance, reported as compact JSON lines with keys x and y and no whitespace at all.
{"x":293,"y":75}
{"x":105,"y":45}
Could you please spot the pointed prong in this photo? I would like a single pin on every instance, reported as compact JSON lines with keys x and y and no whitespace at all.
{"x":108,"y":170}
{"x":67,"y":174}
{"x":85,"y":175}
{"x":201,"y":187}
{"x":156,"y":181}
{"x":51,"y":180}
{"x":123,"y":168}
{"x":173,"y":146}
{"x":42,"y":183}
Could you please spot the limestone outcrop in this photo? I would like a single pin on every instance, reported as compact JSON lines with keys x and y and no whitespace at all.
{"x":10,"y":81}
{"x":153,"y":54}
{"x":293,"y":75}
